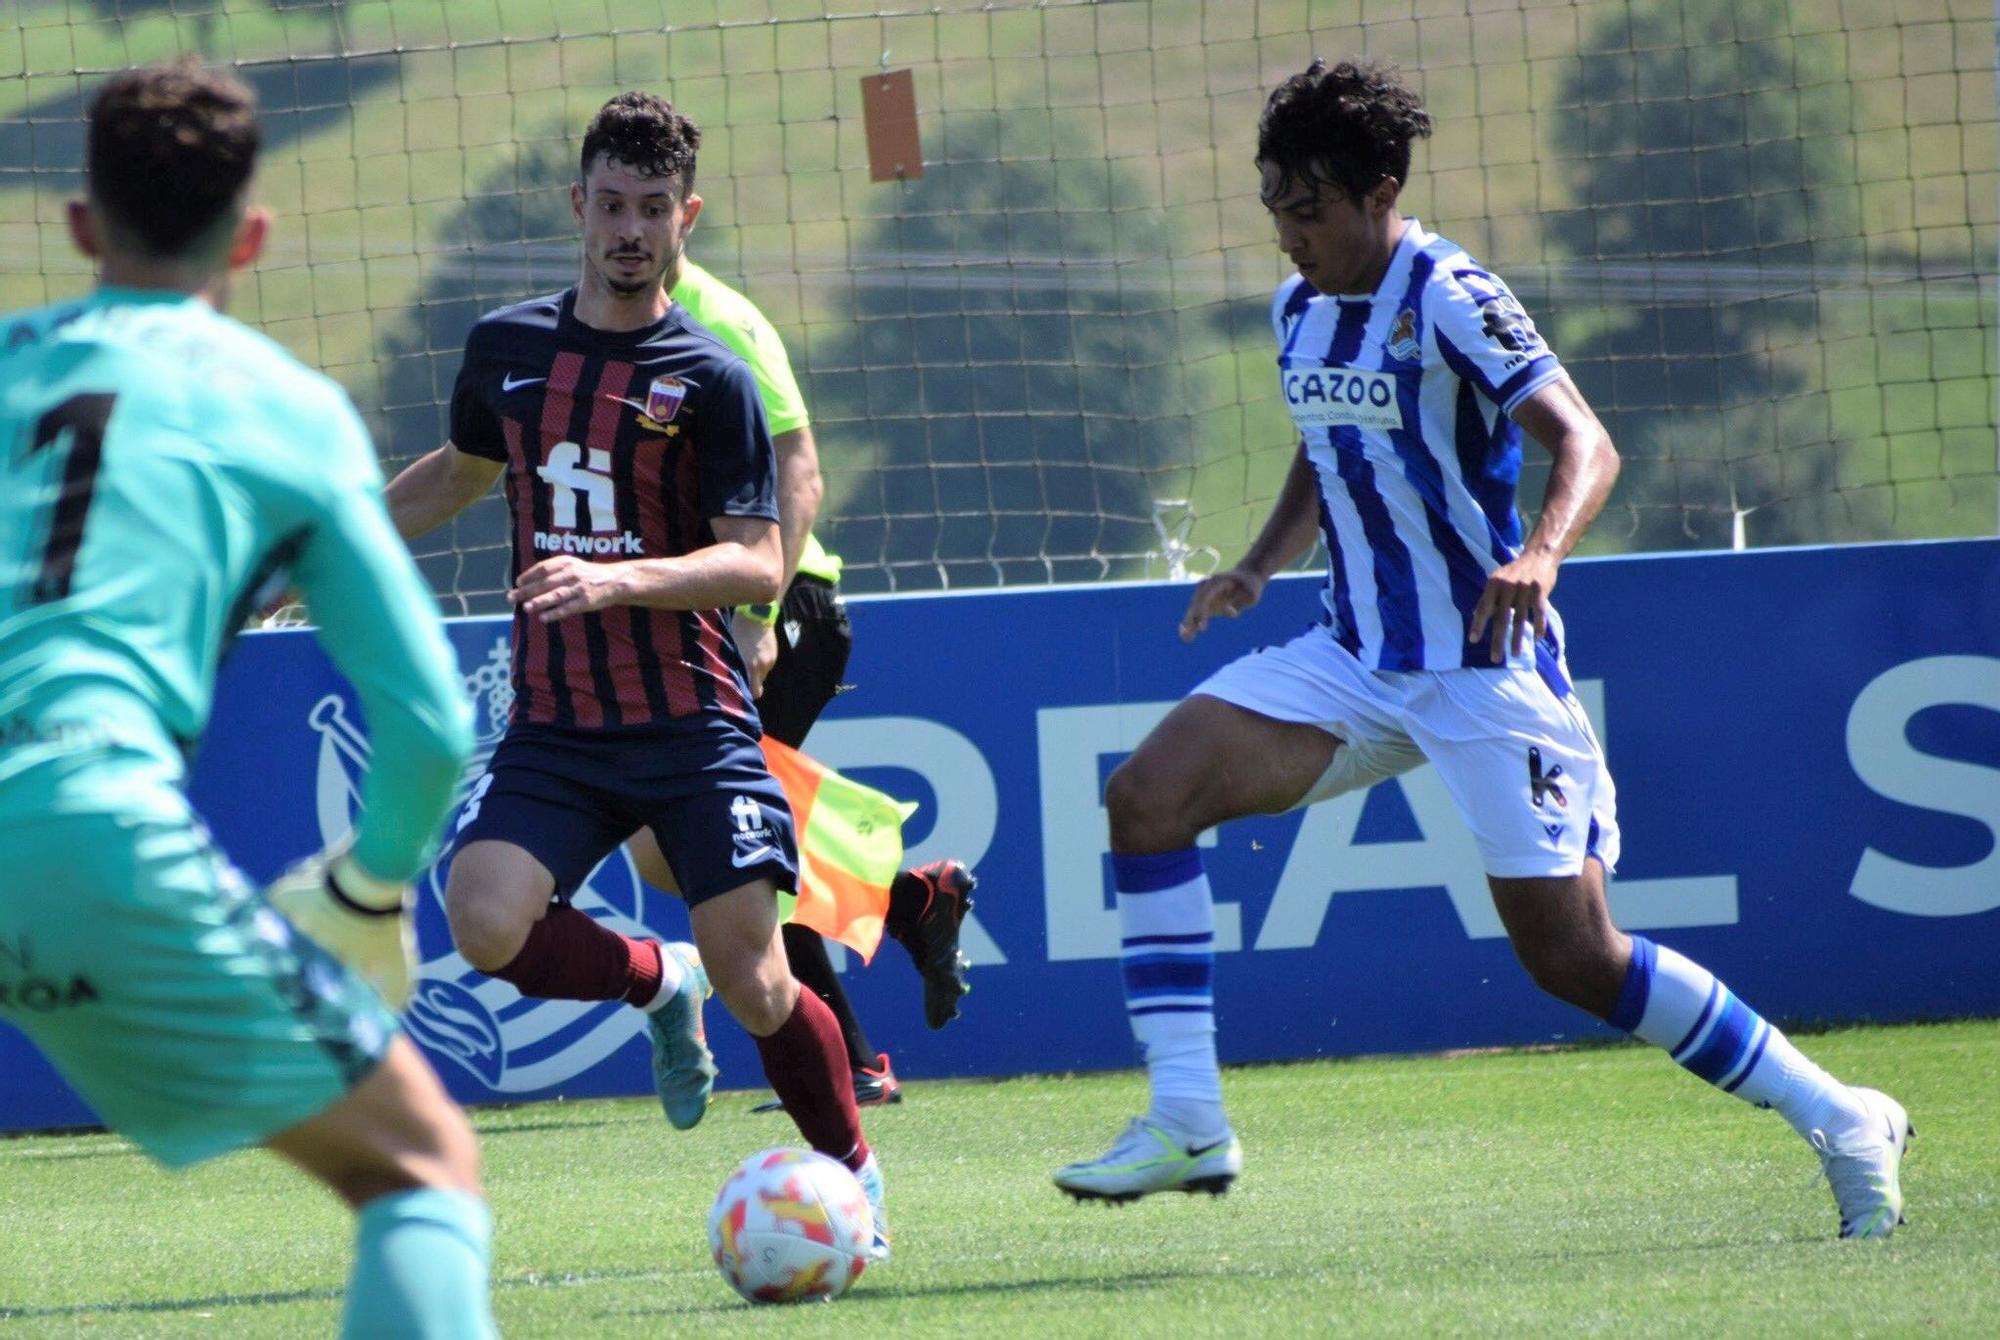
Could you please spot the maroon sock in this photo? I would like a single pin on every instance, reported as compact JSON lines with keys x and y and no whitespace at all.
{"x":569,"y":956}
{"x":806,"y":1062}
{"x":813,"y":970}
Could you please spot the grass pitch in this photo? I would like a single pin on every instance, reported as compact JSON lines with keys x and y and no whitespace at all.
{"x":1597,"y":1191}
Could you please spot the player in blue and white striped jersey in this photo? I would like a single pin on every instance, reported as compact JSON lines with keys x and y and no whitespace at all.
{"x":1402,"y":399}
{"x":1411,"y":374}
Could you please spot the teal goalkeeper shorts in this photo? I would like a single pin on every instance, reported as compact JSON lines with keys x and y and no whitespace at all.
{"x":189,"y":1015}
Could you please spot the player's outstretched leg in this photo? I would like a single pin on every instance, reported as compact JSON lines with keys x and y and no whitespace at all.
{"x":796,"y":1035}
{"x":926,"y":905}
{"x":1859,"y":1134}
{"x":399,"y":1152}
{"x":502,"y":922}
{"x":1159,"y":801}
{"x":1166,"y":920}
{"x":1563,"y":934}
{"x":569,"y":955}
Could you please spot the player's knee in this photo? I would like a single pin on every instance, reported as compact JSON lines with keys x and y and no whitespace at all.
{"x":434,"y":1145}
{"x":438,"y":1153}
{"x":761,"y":1006}
{"x":449,"y":1162}
{"x":753,"y":980}
{"x":395,"y":1131}
{"x":495,"y":894}
{"x":737,"y":934}
{"x":1581,"y":969}
{"x":1144,"y":810}
{"x":453,"y":1164}
{"x":1124,"y":793}
{"x":485,"y":931}
{"x":1546,"y":967}
{"x":758,"y":989}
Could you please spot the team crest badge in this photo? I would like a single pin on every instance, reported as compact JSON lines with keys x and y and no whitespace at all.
{"x":663,"y":398}
{"x":1402,"y":341}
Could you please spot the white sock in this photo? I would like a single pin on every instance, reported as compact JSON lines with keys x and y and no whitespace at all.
{"x":1675,"y":1003}
{"x":670,"y":980}
{"x":1167,"y":923}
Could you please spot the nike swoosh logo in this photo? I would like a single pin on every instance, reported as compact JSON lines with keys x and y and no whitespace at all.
{"x":1207,"y":1149}
{"x":741,"y":859}
{"x":508,"y":382}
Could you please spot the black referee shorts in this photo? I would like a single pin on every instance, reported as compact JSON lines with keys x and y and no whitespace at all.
{"x":814,"y":639}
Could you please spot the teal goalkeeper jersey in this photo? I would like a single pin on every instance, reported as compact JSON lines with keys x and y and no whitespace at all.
{"x":160,"y":465}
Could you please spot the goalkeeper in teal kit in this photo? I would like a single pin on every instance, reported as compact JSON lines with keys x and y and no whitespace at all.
{"x":159,"y":465}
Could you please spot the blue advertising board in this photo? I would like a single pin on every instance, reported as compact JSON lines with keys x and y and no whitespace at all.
{"x":1806,"y":745}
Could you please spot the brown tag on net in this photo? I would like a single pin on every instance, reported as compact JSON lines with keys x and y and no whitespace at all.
{"x":889,"y":113}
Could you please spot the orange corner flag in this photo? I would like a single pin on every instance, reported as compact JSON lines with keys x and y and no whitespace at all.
{"x":850,"y":847}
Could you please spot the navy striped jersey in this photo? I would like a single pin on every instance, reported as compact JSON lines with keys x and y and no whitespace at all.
{"x":618,"y":445}
{"x":1401,"y":399}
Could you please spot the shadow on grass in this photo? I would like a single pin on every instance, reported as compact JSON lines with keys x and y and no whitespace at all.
{"x":24,"y":1148}
{"x":536,"y":1280}
{"x":868,"y":1293}
{"x":1655,"y":1250}
{"x":517,"y":1128}
{"x":138,"y":1308}
{"x":132,"y":1307}
{"x":108,"y":1150}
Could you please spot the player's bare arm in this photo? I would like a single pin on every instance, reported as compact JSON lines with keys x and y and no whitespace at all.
{"x":1288,"y":532}
{"x":742,"y":567}
{"x":436,"y":487}
{"x":1585,"y":465}
{"x":800,"y":490}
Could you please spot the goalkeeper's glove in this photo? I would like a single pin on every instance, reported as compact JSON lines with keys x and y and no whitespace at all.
{"x":359,"y":919}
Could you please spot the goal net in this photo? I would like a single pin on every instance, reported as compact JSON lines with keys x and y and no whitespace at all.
{"x":1760,"y":233}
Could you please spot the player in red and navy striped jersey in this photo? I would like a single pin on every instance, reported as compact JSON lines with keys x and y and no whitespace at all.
{"x":641,"y":481}
{"x":616,"y":446}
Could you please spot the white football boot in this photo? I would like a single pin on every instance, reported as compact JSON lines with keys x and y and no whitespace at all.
{"x":1864,"y":1164}
{"x":1146,"y":1159}
{"x":870,"y":1177}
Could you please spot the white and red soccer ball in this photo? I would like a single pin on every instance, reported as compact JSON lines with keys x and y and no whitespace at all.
{"x":790,"y":1226}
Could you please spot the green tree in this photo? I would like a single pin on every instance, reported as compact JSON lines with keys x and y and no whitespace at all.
{"x":999,"y":387}
{"x":1006,"y":382}
{"x":513,"y":238}
{"x":1705,"y":148}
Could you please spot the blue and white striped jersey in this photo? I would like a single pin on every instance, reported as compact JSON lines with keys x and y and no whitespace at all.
{"x":1401,"y":401}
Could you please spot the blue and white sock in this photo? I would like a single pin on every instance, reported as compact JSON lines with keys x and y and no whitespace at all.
{"x":1679,"y":1005}
{"x":421,"y":1265}
{"x":1167,"y":923}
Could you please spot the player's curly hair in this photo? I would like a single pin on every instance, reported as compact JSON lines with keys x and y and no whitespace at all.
{"x":645,"y":133}
{"x":1346,"y":126}
{"x":170,"y":149}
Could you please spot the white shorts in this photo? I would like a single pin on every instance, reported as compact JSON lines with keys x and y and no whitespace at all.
{"x":1513,"y":746}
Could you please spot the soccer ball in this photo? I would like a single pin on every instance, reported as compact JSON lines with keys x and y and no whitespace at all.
{"x":790,"y":1226}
